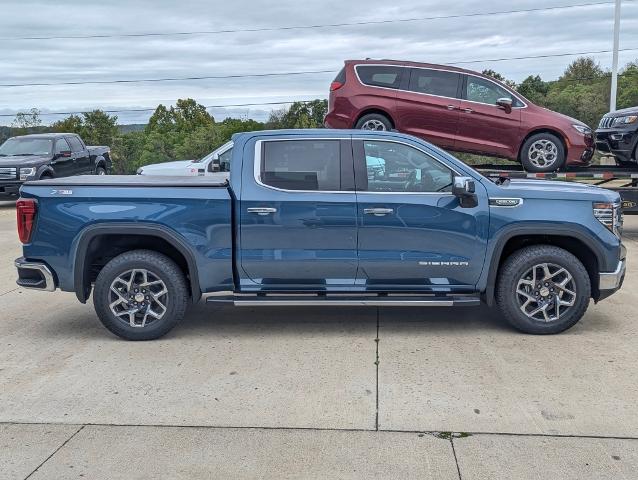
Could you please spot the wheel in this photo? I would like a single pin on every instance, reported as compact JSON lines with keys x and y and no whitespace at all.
{"x":543,"y":152}
{"x":140,"y":295}
{"x":100,"y":170}
{"x":543,"y":289}
{"x":374,"y":121}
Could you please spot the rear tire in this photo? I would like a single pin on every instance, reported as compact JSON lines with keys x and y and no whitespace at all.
{"x":374,"y":121}
{"x":518,"y":289}
{"x":140,"y":295}
{"x":543,"y":152}
{"x":100,"y":170}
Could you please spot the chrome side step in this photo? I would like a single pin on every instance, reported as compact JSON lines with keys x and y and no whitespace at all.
{"x":341,"y":301}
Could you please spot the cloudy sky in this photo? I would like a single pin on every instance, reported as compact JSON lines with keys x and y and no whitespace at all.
{"x":468,"y":40}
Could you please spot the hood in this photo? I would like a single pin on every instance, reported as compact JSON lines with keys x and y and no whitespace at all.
{"x":567,"y":118}
{"x":24,"y":160}
{"x":623,"y":112}
{"x":551,"y":189}
{"x":179,"y":167}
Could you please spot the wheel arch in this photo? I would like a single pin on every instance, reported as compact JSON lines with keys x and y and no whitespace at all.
{"x":99,"y":243}
{"x":377,"y":110}
{"x":550,"y":130}
{"x":577,"y":244}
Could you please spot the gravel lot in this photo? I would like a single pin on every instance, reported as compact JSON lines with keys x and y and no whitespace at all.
{"x":315,"y":393}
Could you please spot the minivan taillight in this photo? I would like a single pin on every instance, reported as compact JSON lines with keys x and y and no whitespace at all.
{"x":26,"y":209}
{"x":335,"y":86}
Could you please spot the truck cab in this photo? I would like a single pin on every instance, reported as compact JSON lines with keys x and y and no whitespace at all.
{"x":323,"y":217}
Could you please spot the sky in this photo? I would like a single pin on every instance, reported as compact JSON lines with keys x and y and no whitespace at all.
{"x":472,"y":39}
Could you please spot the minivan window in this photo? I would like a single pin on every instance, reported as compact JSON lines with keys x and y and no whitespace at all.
{"x":484,"y":91}
{"x":434,"y":82}
{"x":302,"y":164}
{"x":380,"y":75}
{"x":396,"y":167}
{"x":76,"y":145}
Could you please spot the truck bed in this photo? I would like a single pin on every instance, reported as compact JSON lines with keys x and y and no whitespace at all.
{"x":215,"y":180}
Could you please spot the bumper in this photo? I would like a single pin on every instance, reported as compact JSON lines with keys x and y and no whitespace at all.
{"x":619,"y":143}
{"x":10,"y":188}
{"x":610,"y":282}
{"x":34,"y":275}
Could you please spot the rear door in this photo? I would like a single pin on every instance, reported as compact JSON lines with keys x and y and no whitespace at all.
{"x":63,"y":166}
{"x":428,"y":106}
{"x":413,"y":233}
{"x":298,"y":219}
{"x":485,"y":127}
{"x":81,"y":154}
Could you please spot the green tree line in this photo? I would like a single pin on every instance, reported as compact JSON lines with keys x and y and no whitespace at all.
{"x":186,"y":130}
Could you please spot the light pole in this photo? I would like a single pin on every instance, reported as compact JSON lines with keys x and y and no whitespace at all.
{"x":614,"y":63}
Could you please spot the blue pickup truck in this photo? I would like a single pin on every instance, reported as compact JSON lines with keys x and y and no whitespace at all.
{"x":322,"y":217}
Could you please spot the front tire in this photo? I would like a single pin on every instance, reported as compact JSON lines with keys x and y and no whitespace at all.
{"x":543,"y":289}
{"x":543,"y":152}
{"x":374,"y":121}
{"x":140,"y":295}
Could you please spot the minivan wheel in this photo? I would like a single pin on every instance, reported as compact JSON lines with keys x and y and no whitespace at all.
{"x":543,"y":289}
{"x":140,"y":295}
{"x":543,"y":152}
{"x":374,"y":121}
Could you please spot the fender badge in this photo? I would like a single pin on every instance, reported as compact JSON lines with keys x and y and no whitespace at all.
{"x":61,"y":192}
{"x":505,"y":202}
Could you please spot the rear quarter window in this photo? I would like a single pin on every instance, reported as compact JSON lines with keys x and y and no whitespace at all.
{"x":380,"y":75}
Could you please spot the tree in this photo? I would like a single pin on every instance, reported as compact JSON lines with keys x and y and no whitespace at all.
{"x":534,"y":89}
{"x":497,"y":76}
{"x":25,"y":122}
{"x":628,"y":86}
{"x":126,"y":152}
{"x":299,"y":115}
{"x":71,"y":124}
{"x":98,"y":128}
{"x":583,"y":69}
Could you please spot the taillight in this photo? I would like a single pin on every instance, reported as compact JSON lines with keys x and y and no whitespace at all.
{"x":335,"y":86}
{"x":26,"y":209}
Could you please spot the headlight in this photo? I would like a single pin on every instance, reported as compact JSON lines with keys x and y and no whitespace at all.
{"x":610,"y":215}
{"x":627,"y":119}
{"x":27,"y":172}
{"x":585,"y":130}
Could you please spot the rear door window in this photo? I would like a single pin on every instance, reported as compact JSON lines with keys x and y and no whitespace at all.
{"x":434,"y":82}
{"x":301,"y":164}
{"x":61,"y":146}
{"x":380,"y":75}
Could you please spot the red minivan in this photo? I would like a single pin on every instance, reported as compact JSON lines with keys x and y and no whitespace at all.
{"x":458,"y":110}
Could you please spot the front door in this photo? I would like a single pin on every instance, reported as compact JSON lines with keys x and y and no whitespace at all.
{"x":64,"y":162}
{"x":485,"y":127}
{"x":429,"y":106}
{"x":298,"y":225}
{"x":82,"y":159}
{"x":413,"y":233}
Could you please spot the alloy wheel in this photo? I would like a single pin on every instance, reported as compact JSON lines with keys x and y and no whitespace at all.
{"x":373,"y":124}
{"x":545,"y":292}
{"x":138,"y":297}
{"x":543,"y":153}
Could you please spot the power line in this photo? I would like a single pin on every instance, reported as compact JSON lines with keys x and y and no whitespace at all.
{"x":307,"y":27}
{"x":134,"y":110}
{"x":282,"y":74}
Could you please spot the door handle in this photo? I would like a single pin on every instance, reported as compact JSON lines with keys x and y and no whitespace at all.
{"x":468,"y":110}
{"x":262,"y":210}
{"x":378,"y":212}
{"x":451,"y":107}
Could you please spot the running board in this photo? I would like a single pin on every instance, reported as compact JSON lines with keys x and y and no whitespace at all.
{"x":343,"y":301}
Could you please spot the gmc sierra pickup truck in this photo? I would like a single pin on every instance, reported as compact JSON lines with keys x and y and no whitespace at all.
{"x":48,"y":155}
{"x":322,"y":217}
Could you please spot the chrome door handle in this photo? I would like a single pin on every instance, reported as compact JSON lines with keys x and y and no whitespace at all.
{"x":451,"y":107}
{"x":378,"y":212}
{"x":468,"y":110}
{"x":262,"y":210}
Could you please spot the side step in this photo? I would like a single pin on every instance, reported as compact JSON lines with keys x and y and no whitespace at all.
{"x":243,"y":300}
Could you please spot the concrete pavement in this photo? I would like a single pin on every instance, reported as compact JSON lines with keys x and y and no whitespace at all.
{"x":312,"y":393}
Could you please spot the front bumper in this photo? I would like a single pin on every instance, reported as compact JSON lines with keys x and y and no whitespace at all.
{"x":619,"y":143}
{"x":10,"y":188}
{"x":610,"y":282}
{"x":34,"y":275}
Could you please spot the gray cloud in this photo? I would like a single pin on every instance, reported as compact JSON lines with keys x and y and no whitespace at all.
{"x":436,"y":41}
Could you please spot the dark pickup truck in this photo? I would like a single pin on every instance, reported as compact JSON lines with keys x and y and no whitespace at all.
{"x":323,"y":217}
{"x":48,"y":155}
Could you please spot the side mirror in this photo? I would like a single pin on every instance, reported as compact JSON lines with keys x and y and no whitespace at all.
{"x":505,"y":104}
{"x":214,"y":165}
{"x":464,"y":189}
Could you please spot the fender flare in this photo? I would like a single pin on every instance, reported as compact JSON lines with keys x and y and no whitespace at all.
{"x":42,"y":169}
{"x":80,"y":269}
{"x":100,"y":160}
{"x":540,"y":228}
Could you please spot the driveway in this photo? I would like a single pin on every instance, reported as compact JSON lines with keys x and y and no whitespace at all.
{"x":315,"y":393}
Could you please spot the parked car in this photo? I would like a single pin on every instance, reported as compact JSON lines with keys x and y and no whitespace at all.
{"x":617,"y":135}
{"x":48,"y":155}
{"x":458,"y":110}
{"x":323,"y":217}
{"x":213,"y":163}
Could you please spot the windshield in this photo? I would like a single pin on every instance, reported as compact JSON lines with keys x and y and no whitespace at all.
{"x":26,"y":146}
{"x":218,"y":151}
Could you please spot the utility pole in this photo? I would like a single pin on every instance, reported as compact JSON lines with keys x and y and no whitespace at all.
{"x":614,"y":63}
